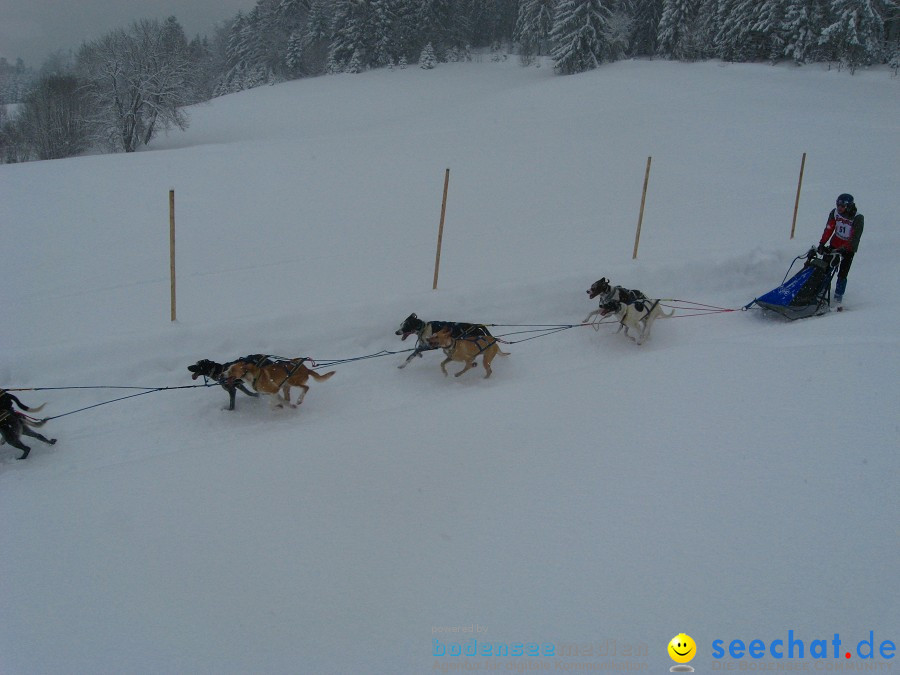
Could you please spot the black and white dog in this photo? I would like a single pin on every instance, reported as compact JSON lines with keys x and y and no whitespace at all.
{"x":216,"y":371}
{"x":423,"y":330}
{"x":14,"y":424}
{"x":609,"y":293}
{"x":635,"y":317}
{"x":634,"y":310}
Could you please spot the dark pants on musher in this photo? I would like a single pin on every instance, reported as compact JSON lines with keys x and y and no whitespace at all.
{"x":843,"y":271}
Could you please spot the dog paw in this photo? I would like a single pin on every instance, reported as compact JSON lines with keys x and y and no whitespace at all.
{"x":52,"y":441}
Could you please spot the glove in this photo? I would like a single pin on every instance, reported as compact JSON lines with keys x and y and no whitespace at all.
{"x":821,"y":249}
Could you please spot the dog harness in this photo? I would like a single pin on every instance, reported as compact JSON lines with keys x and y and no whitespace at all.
{"x":475,"y":339}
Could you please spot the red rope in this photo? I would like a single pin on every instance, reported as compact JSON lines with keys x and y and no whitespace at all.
{"x":718,"y":311}
{"x":699,"y":304}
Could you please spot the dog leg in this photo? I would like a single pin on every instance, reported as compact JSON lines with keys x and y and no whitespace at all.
{"x":489,"y":355}
{"x":20,"y":445}
{"x":645,"y":330}
{"x":415,"y":352}
{"x":247,"y":391}
{"x":421,"y":347}
{"x":29,"y":432}
{"x":303,"y":389}
{"x":627,"y":322}
{"x":286,"y":391}
{"x":656,"y":313}
{"x":469,"y":366}
{"x":11,"y":437}
{"x":444,"y":365}
{"x":232,"y":392}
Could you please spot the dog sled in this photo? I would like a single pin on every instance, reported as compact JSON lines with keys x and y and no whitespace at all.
{"x":807,"y":293}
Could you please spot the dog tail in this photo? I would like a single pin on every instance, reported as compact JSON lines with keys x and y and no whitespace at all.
{"x":321,"y":378}
{"x":37,"y":409}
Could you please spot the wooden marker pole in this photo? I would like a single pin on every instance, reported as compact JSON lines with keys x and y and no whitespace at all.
{"x":637,"y":235}
{"x":797,"y":200}
{"x":172,"y":249}
{"x":437,"y":257}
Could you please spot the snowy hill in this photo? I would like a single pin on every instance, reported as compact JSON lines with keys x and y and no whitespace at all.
{"x":733,"y":478}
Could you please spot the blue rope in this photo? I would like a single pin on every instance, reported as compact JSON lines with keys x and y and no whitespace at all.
{"x":542,"y":329}
{"x":99,"y":386}
{"x":122,"y":398}
{"x":327,"y":363}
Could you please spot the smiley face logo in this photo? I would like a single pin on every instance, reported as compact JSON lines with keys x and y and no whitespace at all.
{"x":682,"y":648}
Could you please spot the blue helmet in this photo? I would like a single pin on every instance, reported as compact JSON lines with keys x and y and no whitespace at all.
{"x":844,"y":199}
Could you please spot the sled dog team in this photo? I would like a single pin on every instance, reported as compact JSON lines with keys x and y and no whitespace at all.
{"x":463,"y":342}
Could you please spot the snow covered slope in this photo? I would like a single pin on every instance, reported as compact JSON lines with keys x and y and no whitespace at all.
{"x":733,"y":478}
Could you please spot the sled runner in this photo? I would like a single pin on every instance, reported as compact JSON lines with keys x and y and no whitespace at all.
{"x":808,"y":292}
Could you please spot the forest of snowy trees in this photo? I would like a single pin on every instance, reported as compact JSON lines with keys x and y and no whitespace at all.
{"x":283,"y":39}
{"x":119,"y":91}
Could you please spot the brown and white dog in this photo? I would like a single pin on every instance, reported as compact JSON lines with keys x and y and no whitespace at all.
{"x":466,"y":349}
{"x":423,"y":330}
{"x":14,"y":424}
{"x":277,"y":377}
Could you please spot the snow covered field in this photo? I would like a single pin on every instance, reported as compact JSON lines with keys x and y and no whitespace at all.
{"x":733,"y":478}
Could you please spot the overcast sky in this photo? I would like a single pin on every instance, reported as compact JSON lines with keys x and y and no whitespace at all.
{"x":33,"y":29}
